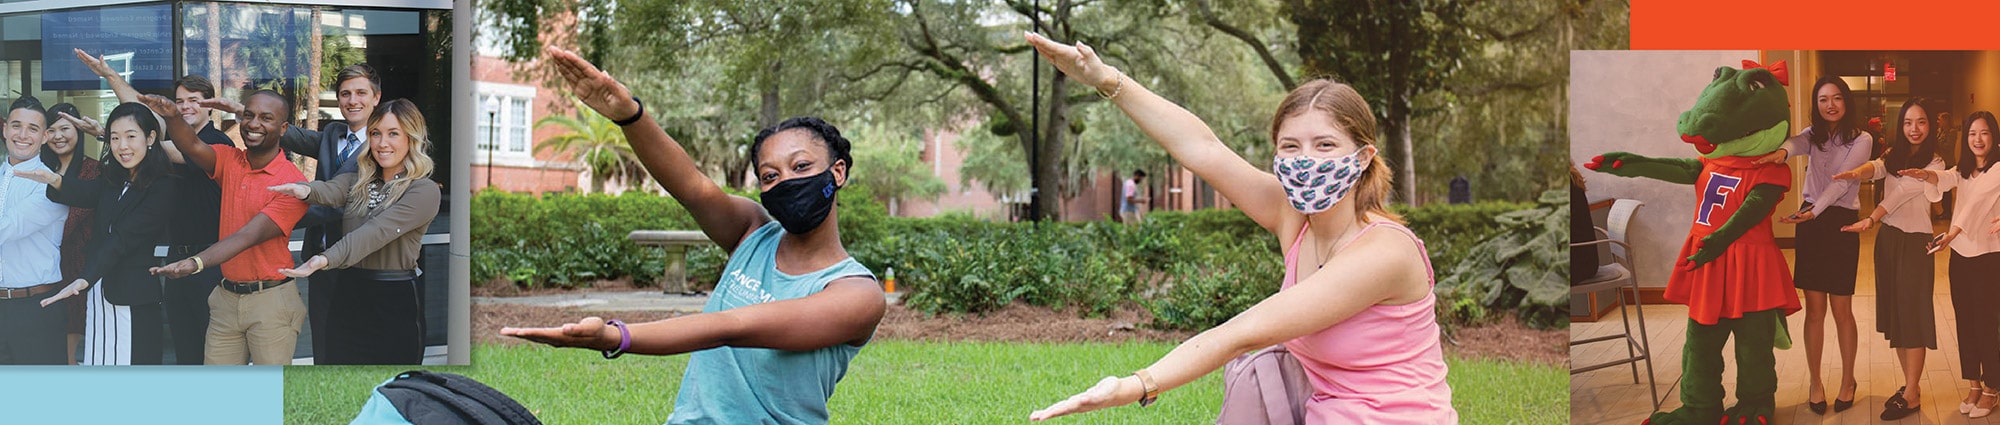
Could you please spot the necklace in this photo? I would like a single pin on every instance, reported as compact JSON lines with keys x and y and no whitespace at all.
{"x":375,"y":194}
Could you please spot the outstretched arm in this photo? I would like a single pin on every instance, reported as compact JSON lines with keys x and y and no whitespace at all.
{"x":1387,"y":267}
{"x":190,"y":145}
{"x":123,"y":89}
{"x":1189,"y":140}
{"x":846,"y":312}
{"x":260,"y":229}
{"x":726,"y":219}
{"x":1757,"y":207}
{"x":1625,"y":164}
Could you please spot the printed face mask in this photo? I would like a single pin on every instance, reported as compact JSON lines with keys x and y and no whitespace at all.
{"x":1315,"y":184}
{"x":801,"y":204}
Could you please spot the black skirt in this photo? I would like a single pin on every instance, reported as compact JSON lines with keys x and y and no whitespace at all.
{"x":1826,"y":259}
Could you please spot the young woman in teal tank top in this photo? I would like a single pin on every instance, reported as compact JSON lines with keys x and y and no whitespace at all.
{"x":792,"y":307}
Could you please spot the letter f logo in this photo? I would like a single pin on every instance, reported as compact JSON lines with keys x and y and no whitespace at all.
{"x":1715,"y":195}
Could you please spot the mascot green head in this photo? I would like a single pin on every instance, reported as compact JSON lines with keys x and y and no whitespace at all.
{"x":1741,"y":113}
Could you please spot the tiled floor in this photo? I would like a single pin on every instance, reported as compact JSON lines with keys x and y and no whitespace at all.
{"x":1608,"y":396}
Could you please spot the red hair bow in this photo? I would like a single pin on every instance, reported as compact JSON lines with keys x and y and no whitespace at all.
{"x":1777,"y":70}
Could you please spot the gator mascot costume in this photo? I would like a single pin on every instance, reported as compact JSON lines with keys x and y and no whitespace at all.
{"x":1730,"y":273}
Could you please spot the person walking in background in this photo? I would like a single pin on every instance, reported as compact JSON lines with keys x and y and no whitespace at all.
{"x":1131,"y":201}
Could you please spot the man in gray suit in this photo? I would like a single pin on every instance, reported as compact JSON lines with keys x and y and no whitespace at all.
{"x":336,"y":147}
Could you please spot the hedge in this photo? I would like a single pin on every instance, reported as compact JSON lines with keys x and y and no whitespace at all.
{"x":1193,"y":269}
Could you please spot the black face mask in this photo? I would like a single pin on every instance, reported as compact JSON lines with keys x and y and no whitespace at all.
{"x":801,"y":204}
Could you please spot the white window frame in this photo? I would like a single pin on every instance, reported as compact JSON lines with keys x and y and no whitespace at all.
{"x":507,"y":94}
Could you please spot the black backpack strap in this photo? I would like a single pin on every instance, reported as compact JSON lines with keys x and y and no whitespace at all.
{"x":510,"y":410}
{"x":461,"y":394}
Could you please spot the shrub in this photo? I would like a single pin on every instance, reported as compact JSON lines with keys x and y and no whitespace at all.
{"x":1192,"y":269}
{"x":1523,"y":268}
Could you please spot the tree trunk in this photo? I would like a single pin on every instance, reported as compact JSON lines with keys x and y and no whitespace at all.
{"x":1400,"y":155}
{"x":768,"y":111}
{"x":1048,"y":171}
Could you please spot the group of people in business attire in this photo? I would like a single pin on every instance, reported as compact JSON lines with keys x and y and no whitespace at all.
{"x":82,"y":281}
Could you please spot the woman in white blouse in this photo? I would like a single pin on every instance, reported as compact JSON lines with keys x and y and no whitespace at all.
{"x":1903,"y":265}
{"x":1975,"y":259}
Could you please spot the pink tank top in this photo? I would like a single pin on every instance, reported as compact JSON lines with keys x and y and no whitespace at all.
{"x":1385,"y":365}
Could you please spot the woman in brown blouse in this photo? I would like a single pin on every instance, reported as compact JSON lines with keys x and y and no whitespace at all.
{"x":387,"y":203}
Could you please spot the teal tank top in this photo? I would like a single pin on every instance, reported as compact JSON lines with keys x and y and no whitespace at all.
{"x":730,"y":385}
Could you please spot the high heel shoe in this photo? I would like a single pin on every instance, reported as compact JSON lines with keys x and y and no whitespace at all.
{"x":1981,"y":412}
{"x":1839,"y":405}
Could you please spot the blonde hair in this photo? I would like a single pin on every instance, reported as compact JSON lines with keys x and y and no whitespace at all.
{"x":1351,"y":113}
{"x":416,"y":165}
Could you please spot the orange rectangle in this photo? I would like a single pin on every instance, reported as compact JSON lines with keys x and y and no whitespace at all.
{"x":1814,"y":25}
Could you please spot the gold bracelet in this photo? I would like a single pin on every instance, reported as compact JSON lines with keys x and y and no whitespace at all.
{"x":198,"y":266}
{"x":1152,"y":390}
{"x":1115,"y":90}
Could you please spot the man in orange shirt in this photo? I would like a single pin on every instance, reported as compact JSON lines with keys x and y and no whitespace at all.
{"x":254,"y":313}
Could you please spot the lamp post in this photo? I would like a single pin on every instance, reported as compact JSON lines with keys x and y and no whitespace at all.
{"x":492,"y":134}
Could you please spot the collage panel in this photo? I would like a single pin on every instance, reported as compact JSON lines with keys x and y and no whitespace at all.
{"x":1801,"y":235}
{"x":174,"y":189}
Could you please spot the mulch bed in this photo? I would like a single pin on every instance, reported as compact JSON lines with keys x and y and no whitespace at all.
{"x":1503,"y":339}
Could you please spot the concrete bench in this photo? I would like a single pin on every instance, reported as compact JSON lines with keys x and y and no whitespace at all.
{"x":677,"y":243}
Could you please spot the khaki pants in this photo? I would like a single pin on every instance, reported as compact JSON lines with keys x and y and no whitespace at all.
{"x":264,"y":326}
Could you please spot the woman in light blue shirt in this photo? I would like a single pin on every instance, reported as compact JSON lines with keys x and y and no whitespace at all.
{"x":1827,"y":257}
{"x":792,"y":307}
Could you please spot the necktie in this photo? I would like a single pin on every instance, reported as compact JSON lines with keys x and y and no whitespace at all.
{"x":347,"y":145}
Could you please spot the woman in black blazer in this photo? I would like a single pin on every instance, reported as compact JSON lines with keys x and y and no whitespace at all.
{"x":123,"y":324}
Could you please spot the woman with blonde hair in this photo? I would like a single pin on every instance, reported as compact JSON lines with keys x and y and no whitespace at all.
{"x":1356,"y":307}
{"x":387,"y":203}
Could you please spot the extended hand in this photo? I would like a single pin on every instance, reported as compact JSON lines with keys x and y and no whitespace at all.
{"x":1079,"y":62}
{"x":1801,"y":217}
{"x":1613,"y":163}
{"x":294,"y":190}
{"x":39,"y":176}
{"x":74,"y":288}
{"x":591,"y":332}
{"x":1859,"y":226}
{"x":96,"y":64}
{"x":592,"y":86}
{"x":1775,"y":157}
{"x":221,"y":104}
{"x":1703,"y":254}
{"x":1105,"y":394}
{"x":177,"y":270}
{"x":311,"y":265}
{"x":160,"y":105}
{"x":1927,"y":176}
{"x":85,"y":125}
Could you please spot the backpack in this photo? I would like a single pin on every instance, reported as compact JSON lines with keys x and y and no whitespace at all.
{"x":1265,"y":387}
{"x":434,"y":398}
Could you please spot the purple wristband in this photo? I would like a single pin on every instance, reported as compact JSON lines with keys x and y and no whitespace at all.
{"x":624,"y":339}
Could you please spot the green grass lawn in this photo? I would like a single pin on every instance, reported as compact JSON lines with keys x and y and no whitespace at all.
{"x":893,"y":382}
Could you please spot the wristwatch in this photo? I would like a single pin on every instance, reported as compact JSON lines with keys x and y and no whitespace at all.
{"x":1152,"y":389}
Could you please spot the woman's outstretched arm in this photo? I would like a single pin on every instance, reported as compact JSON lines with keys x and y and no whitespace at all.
{"x":1182,"y":134}
{"x":846,"y":312}
{"x":1386,"y":267}
{"x":726,"y":219}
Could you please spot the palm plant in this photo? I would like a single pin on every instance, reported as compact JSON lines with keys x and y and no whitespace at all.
{"x":597,"y":143}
